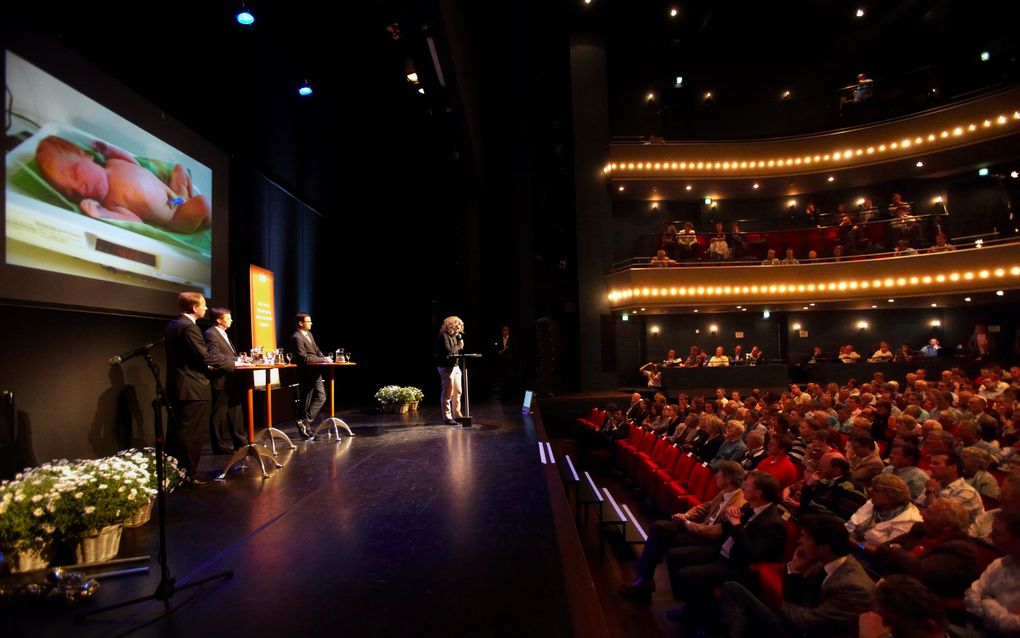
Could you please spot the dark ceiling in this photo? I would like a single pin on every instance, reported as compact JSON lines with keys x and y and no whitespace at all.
{"x":748,"y":53}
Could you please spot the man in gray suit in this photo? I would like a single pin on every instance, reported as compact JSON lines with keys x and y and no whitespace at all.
{"x":825,"y":589}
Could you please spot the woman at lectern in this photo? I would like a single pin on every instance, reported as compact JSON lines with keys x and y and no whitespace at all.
{"x":450,"y":341}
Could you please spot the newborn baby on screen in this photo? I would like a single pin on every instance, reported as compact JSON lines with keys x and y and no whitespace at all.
{"x":123,"y":189}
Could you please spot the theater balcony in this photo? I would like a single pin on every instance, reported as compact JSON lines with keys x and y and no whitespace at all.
{"x":976,"y":131}
{"x":939,"y":278}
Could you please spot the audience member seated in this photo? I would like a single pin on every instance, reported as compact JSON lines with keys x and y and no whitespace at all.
{"x":832,"y":490}
{"x":865,"y":463}
{"x":947,"y":482}
{"x":755,"y":451}
{"x":904,"y":608}
{"x":887,"y":514}
{"x":994,"y":598}
{"x":933,"y":349}
{"x":778,"y":463}
{"x":903,"y":460}
{"x":699,"y":526}
{"x":733,"y":446}
{"x":755,"y":356}
{"x":636,"y":411}
{"x":687,"y":242}
{"x":738,"y":246}
{"x":1009,"y":500}
{"x":770,"y":259}
{"x":883,"y":354}
{"x":941,"y":245}
{"x":936,"y":551}
{"x":847,"y":354}
{"x":672,"y":360}
{"x":976,"y":462}
{"x":751,"y":534}
{"x":720,"y":359}
{"x":705,"y":447}
{"x":904,"y":354}
{"x":717,"y":247}
{"x":789,"y":259}
{"x":738,"y":358}
{"x":668,"y":242}
{"x":824,"y":589}
{"x":661,"y":259}
{"x":696,"y":359}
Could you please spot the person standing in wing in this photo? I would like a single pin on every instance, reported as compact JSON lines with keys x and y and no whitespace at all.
{"x":450,"y":341}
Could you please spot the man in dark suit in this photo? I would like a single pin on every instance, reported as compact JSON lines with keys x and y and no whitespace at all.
{"x":825,"y":589}
{"x":313,"y":392}
{"x":752,"y":533}
{"x":188,"y":363}
{"x":227,"y":428}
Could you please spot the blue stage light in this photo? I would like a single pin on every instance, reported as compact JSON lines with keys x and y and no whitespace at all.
{"x":304,"y":90}
{"x":245,"y":18}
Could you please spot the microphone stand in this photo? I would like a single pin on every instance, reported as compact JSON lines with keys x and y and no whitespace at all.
{"x":167,"y":586}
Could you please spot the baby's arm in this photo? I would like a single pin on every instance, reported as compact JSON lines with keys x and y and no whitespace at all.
{"x":94,"y":209}
{"x":112,"y":152}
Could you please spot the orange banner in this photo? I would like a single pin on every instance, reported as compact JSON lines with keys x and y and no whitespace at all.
{"x":263,"y":308}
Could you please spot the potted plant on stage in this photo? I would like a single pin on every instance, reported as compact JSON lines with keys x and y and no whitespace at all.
{"x":145,"y":461}
{"x":27,"y":528}
{"x":414,"y":396}
{"x":392,"y":399}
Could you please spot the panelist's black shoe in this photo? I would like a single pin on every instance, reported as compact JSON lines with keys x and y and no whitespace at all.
{"x":303,"y":429}
{"x":450,"y":422}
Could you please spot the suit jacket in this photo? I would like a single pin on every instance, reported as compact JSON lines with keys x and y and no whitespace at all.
{"x":187,"y":361}
{"x":820,"y":607}
{"x":699,"y":514}
{"x":760,"y":540}
{"x":305,"y":352}
{"x":222,"y":350}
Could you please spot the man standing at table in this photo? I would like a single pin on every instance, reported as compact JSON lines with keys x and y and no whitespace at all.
{"x":313,"y":392}
{"x":228,"y":430}
{"x":450,"y":341}
{"x":188,"y":363}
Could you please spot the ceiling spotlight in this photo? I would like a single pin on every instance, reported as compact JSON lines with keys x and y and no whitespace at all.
{"x":919,"y":164}
{"x":999,"y":293}
{"x":874,"y":306}
{"x":422,"y":90}
{"x":812,"y":304}
{"x":985,"y":56}
{"x":689,"y":187}
{"x":673,"y":12}
{"x":305,"y":89}
{"x":831,"y":178}
{"x":621,"y":188}
{"x":892,"y":301}
{"x":245,"y":17}
{"x":934,"y":305}
{"x":860,"y":13}
{"x":1014,"y":174}
{"x":412,"y":77}
{"x":587,"y":1}
{"x":967,"y":299}
{"x":679,"y":82}
{"x":755,"y":186}
{"x":695,"y":310}
{"x":983,"y":172}
{"x":708,"y":201}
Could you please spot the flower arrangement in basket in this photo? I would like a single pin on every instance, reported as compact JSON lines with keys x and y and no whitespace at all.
{"x":413,"y":396}
{"x":27,"y":526}
{"x":391,"y":397}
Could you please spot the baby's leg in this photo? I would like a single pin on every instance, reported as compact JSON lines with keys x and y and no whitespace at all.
{"x":191,"y":216}
{"x":94,"y":209}
{"x":180,"y":182}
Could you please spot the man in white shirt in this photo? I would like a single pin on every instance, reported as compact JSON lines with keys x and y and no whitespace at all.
{"x":720,"y":359}
{"x":995,"y":596}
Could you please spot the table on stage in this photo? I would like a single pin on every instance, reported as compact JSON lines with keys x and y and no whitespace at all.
{"x":333,"y":421}
{"x":253,"y":448}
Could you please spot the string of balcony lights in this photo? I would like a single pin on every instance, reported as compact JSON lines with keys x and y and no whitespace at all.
{"x":678,"y":292}
{"x":907,"y":142}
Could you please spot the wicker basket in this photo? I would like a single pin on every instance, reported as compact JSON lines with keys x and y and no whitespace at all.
{"x":142,"y":516}
{"x":101,"y":547}
{"x":27,"y":560}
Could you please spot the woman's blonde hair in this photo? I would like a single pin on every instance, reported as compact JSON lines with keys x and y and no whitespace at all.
{"x":452,"y":325}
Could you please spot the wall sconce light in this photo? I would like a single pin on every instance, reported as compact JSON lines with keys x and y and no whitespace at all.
{"x":654,"y":330}
{"x":796,"y":327}
{"x":935,"y":323}
{"x":713,"y":328}
{"x":862,"y":325}
{"x":624,"y":317}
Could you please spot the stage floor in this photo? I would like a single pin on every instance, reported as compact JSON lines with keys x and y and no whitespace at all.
{"x":410,"y":528}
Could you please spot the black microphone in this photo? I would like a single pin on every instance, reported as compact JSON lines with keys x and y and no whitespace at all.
{"x":460,"y":336}
{"x":121,"y":358}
